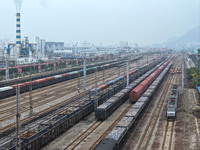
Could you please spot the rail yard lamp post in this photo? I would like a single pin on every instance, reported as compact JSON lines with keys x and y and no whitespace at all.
{"x":30,"y":94}
{"x":18,"y":132}
{"x":95,"y":96}
{"x":84,"y":72}
{"x":79,"y":81}
{"x":7,"y":65}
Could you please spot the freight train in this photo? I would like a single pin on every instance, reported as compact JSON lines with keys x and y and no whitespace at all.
{"x":41,"y":133}
{"x":136,"y":93}
{"x":116,"y":139}
{"x":42,"y":82}
{"x":40,"y":76}
{"x":136,"y":73}
{"x":172,"y":103}
{"x":108,"y":107}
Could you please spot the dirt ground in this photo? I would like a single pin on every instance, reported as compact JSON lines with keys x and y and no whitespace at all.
{"x":187,"y":122}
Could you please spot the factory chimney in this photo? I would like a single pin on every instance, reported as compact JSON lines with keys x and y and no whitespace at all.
{"x":18,"y":35}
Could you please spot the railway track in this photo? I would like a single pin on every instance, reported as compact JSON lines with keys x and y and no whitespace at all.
{"x":90,"y":130}
{"x":62,"y":108}
{"x":169,"y":134}
{"x":59,"y":90}
{"x":170,"y":125}
{"x":62,"y":69}
{"x":85,"y":134}
{"x":40,"y":102}
{"x":146,"y":135}
{"x":39,"y":112}
{"x":83,"y":137}
{"x":145,"y":138}
{"x":112,"y":126}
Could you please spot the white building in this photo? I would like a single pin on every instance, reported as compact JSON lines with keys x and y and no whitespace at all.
{"x":40,"y":46}
{"x":51,"y":46}
{"x":65,"y":52}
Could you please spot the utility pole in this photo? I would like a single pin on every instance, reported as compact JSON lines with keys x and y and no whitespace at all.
{"x":84,"y":74}
{"x":79,"y":81}
{"x":96,"y":101}
{"x":103,"y":74}
{"x":124,"y":70}
{"x":127,"y":73}
{"x":118,"y":70}
{"x":30,"y":95}
{"x":7,"y":66}
{"x":18,"y":142}
{"x":153,"y":55}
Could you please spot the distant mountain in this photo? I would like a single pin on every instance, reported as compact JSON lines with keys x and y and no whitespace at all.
{"x":189,"y":39}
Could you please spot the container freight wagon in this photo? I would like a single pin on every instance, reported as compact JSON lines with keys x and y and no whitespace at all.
{"x":108,"y":107}
{"x":48,"y":74}
{"x":172,"y":103}
{"x":122,"y":131}
{"x":54,"y":126}
{"x":39,"y":81}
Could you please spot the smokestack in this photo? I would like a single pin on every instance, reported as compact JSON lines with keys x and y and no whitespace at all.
{"x":18,"y":35}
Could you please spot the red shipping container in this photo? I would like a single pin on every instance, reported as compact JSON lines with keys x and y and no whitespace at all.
{"x":65,"y":74}
{"x":41,"y":80}
{"x":26,"y":83}
{"x":20,"y":70}
{"x":136,"y":93}
{"x":103,"y":87}
{"x":21,"y":84}
{"x":49,"y":78}
{"x":14,"y":86}
{"x":131,"y":72}
{"x":34,"y":82}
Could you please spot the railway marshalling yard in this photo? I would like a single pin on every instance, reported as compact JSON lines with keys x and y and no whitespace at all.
{"x":152,"y":130}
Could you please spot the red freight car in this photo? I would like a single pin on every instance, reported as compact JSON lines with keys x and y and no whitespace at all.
{"x":136,"y":93}
{"x":103,"y":87}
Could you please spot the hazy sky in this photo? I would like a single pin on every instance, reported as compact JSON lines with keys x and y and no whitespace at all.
{"x":101,"y":21}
